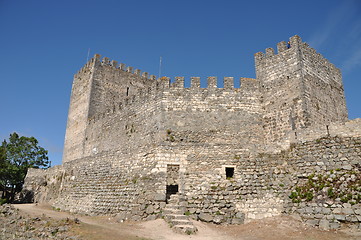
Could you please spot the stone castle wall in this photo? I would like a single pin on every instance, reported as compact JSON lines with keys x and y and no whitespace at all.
{"x":300,"y":89}
{"x":78,"y":113}
{"x":239,"y":152}
{"x":113,"y":182}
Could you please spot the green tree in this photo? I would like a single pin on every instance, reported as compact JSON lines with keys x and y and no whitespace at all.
{"x":16,"y":157}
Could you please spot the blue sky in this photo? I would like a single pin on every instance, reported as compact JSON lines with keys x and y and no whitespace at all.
{"x":44,"y":43}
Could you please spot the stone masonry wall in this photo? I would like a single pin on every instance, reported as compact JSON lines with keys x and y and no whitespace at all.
{"x":100,"y":88}
{"x":280,"y":77}
{"x":78,"y":113}
{"x":216,"y":116}
{"x":125,"y":127}
{"x":300,"y":89}
{"x":276,"y":145}
{"x":133,"y":186}
{"x":114,"y":83}
{"x":262,"y":185}
{"x":323,"y":88}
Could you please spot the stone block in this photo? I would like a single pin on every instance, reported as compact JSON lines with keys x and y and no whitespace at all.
{"x":218,"y":219}
{"x":334,"y":225}
{"x":149,"y":209}
{"x":326,"y":210}
{"x":159,"y":197}
{"x":237,"y":221}
{"x":205,"y":217}
{"x":337,"y":210}
{"x":312,"y":222}
{"x":340,"y":217}
{"x":347,"y":211}
{"x":324,"y":224}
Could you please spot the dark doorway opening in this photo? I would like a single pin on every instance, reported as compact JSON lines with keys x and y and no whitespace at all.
{"x":172,"y":180}
{"x":229,"y":172}
{"x":171,"y":189}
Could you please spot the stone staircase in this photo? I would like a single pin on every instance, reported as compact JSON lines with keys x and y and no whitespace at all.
{"x":173,"y":213}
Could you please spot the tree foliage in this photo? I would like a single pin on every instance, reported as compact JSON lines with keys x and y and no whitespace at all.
{"x":17,"y":155}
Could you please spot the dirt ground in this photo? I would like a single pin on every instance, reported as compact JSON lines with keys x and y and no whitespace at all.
{"x":107,"y":228}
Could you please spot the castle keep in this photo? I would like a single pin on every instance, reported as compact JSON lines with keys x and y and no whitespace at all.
{"x":135,"y":144}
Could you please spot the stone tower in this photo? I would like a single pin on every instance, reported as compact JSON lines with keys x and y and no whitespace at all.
{"x":300,"y":89}
{"x":96,"y":88}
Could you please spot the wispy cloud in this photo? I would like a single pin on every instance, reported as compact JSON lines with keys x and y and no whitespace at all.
{"x":353,"y":61}
{"x":330,"y":27}
{"x":343,"y":24}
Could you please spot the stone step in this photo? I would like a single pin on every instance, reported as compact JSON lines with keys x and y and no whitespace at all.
{"x":173,"y":206}
{"x":172,"y":211}
{"x":187,"y":229}
{"x":182,"y":222}
{"x":177,"y":216}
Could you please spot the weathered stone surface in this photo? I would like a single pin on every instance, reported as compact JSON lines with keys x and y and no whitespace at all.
{"x":205,"y":217}
{"x":334,"y":225}
{"x":324,"y":224}
{"x":232,"y":153}
{"x":218,"y":219}
{"x":312,"y":222}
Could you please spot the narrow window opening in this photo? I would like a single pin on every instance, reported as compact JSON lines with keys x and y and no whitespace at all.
{"x":127,"y":91}
{"x":229,"y":172}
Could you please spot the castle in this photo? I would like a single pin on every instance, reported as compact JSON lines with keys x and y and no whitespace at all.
{"x":135,"y":144}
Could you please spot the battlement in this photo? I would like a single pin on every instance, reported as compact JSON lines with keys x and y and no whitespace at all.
{"x":105,"y":61}
{"x":195,"y":82}
{"x":295,"y":88}
{"x":294,"y":43}
{"x":302,"y":50}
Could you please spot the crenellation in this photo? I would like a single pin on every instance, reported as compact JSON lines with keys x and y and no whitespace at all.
{"x":212,"y":82}
{"x":145,"y":75}
{"x":258,"y":57}
{"x":135,"y":143}
{"x":195,"y":82}
{"x":122,"y":67}
{"x":178,"y":83}
{"x":295,"y":41}
{"x":105,"y":61}
{"x":130,"y":69}
{"x":281,"y":46}
{"x":270,"y":52}
{"x":228,"y":82}
{"x":114,"y":63}
{"x":137,"y":72}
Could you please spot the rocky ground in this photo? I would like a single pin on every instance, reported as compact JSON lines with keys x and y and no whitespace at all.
{"x":42,"y":222}
{"x":19,"y":225}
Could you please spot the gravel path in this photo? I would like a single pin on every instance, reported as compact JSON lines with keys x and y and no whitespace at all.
{"x":42,"y":222}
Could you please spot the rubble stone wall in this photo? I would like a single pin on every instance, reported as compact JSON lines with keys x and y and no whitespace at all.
{"x":243,"y":153}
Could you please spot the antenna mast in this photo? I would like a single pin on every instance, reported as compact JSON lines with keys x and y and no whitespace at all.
{"x":160,"y":67}
{"x":87,"y":58}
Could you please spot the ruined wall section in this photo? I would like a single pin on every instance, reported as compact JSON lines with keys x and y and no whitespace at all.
{"x":262,"y":184}
{"x":323,"y":89}
{"x":213,"y":116}
{"x":78,"y":112}
{"x":110,"y":183}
